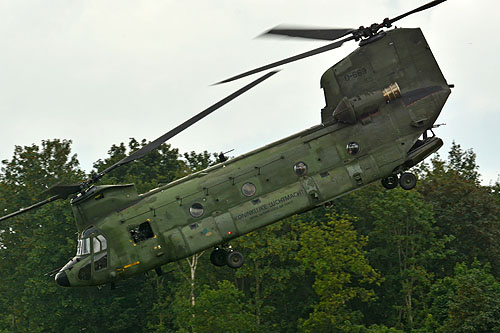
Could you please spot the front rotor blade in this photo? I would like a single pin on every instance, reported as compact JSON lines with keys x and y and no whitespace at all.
{"x":323,"y":34}
{"x":416,"y":10}
{"x":32,"y":207}
{"x":156,"y":143}
{"x":64,"y":190}
{"x":290,"y":59}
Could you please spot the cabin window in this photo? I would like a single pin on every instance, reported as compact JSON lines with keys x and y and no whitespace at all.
{"x":300,"y":169}
{"x":196,"y":210}
{"x":248,"y":189}
{"x":352,"y":148}
{"x":142,"y":232}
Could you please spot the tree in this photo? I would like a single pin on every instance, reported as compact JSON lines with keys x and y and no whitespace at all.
{"x":222,"y":309}
{"x":463,"y":208}
{"x":334,"y":253}
{"x":32,"y":243}
{"x":405,"y":248}
{"x":272,"y":278}
{"x":468,"y":301}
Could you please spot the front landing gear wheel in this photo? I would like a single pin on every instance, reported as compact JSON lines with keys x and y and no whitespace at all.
{"x":407,"y":181}
{"x":234,"y":259}
{"x":218,"y":257}
{"x":390,"y":182}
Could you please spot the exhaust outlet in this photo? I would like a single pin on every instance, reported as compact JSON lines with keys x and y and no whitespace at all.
{"x":391,"y":93}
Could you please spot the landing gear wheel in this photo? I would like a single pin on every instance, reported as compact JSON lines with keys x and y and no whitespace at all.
{"x":218,"y":257}
{"x":234,"y":259}
{"x":407,"y":181}
{"x":390,"y":182}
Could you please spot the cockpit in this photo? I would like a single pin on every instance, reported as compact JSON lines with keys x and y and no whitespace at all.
{"x":98,"y":241}
{"x":91,"y":257}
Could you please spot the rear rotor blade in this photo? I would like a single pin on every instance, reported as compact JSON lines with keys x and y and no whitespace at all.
{"x":32,"y":207}
{"x":323,"y":34}
{"x":156,"y":143}
{"x":416,"y":10}
{"x":290,"y":59}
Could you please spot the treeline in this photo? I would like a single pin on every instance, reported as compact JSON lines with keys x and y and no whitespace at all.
{"x":376,"y":260}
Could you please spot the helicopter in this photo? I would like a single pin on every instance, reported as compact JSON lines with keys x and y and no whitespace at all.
{"x":382,"y":103}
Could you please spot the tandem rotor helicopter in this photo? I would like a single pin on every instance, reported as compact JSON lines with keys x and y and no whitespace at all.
{"x":382,"y":102}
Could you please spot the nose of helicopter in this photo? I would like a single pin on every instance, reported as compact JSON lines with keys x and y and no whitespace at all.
{"x":62,"y":279}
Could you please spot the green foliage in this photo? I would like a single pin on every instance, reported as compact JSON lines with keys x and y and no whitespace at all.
{"x":197,"y":162}
{"x":468,"y":301}
{"x":464,"y":209}
{"x":374,"y":329}
{"x":271,"y":274}
{"x":222,"y":309}
{"x":463,"y":163}
{"x":32,"y":169}
{"x":333,"y":252}
{"x":33,"y":244}
{"x":405,"y":247}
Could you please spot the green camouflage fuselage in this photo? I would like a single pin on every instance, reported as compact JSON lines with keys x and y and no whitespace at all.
{"x":148,"y":230}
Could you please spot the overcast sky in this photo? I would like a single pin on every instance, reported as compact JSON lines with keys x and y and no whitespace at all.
{"x":100,"y":72}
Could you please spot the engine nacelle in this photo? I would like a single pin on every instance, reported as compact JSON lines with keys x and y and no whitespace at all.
{"x":350,"y":110}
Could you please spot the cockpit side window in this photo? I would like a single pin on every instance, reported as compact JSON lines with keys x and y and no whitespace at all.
{"x":100,"y":243}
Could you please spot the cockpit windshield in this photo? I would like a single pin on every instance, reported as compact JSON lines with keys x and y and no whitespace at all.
{"x":88,"y":239}
{"x":83,"y":247}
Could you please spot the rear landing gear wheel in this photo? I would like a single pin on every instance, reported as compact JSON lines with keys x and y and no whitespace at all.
{"x":407,"y":181}
{"x":390,"y":182}
{"x":234,"y":259}
{"x":218,"y":257}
